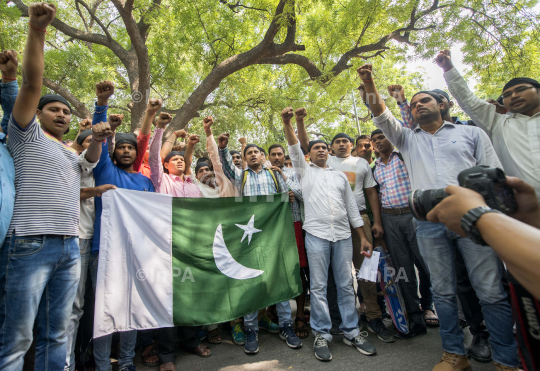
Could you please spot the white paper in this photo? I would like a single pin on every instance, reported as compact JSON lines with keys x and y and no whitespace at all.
{"x":369,"y":268}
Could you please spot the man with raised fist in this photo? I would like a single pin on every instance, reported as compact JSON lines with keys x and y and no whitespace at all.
{"x":40,"y":259}
{"x":516,"y":135}
{"x":435,"y":152}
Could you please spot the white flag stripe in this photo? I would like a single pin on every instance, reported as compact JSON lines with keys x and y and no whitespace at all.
{"x":134,"y":281}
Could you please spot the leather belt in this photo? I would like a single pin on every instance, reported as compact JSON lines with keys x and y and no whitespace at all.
{"x":397,"y":211}
{"x":363,"y":212}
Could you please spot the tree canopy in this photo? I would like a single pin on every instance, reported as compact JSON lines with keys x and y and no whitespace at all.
{"x":242,"y":61}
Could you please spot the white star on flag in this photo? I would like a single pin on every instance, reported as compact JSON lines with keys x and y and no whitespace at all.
{"x":249,"y":229}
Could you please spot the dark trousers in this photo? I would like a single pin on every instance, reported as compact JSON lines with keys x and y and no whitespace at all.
{"x":171,"y":338}
{"x":400,"y":239}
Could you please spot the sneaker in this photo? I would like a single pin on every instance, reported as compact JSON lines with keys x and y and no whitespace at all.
{"x":267,"y":324}
{"x":128,"y":367}
{"x":320,"y":347}
{"x":377,"y":327}
{"x":238,"y":336}
{"x":251,"y":346}
{"x":499,"y":367}
{"x":361,"y":344}
{"x":287,"y":333}
{"x":453,"y":362}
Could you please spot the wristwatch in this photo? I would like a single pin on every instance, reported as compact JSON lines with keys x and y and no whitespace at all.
{"x":468,"y":223}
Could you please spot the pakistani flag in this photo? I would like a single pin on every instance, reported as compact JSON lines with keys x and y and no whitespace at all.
{"x":168,"y":261}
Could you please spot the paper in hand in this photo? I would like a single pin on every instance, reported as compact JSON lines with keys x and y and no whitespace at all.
{"x":369,"y":268}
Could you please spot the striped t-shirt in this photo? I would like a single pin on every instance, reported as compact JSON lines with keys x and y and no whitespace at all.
{"x":47,"y":183}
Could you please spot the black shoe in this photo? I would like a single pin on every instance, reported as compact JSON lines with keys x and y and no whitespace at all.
{"x":378,"y":328}
{"x":414,"y":330}
{"x":336,"y":331}
{"x":320,"y":348}
{"x":479,"y":349}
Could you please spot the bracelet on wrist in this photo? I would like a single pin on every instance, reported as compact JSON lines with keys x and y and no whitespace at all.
{"x":99,"y":141}
{"x":104,"y":109}
{"x":370,"y":80}
{"x":9,"y":78}
{"x":35,"y":28}
{"x":170,"y":142}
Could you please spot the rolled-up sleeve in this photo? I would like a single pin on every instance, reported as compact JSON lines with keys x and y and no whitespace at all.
{"x":391,"y":128}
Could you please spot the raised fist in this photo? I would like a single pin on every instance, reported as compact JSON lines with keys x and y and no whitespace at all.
{"x":300,"y":114}
{"x":85,"y":124}
{"x":101,"y":131}
{"x":287,"y":114}
{"x":41,"y":14}
{"x":115,"y":121}
{"x":363,"y":93}
{"x":181,"y":133}
{"x":397,"y":92}
{"x":444,"y":60}
{"x":153,"y":106}
{"x":9,"y":63}
{"x":242,"y":141}
{"x":193,"y":139}
{"x":223,"y":140}
{"x":163,"y":120}
{"x":104,"y":90}
{"x":365,"y":72}
{"x":207,"y":123}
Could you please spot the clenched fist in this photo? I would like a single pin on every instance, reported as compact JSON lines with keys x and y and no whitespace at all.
{"x":101,"y":131}
{"x":163,"y":120}
{"x":104,"y":90}
{"x":242,"y":141}
{"x":153,"y":106}
{"x":181,"y":133}
{"x":365,"y":72}
{"x":207,"y":123}
{"x":115,"y":121}
{"x":9,"y":63}
{"x":444,"y":60}
{"x":223,"y":140}
{"x":397,"y":92}
{"x":287,"y":114}
{"x":300,"y":114}
{"x":41,"y":14}
{"x":193,"y":139}
{"x":85,"y":124}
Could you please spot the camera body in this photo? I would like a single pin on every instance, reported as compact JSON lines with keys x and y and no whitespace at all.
{"x":489,"y":182}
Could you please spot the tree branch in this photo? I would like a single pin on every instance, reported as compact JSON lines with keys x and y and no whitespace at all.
{"x":80,"y":107}
{"x":96,"y":19}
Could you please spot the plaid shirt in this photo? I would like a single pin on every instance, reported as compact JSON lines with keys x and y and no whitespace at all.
{"x":257,"y":184}
{"x":406,"y":115}
{"x":295,"y":187}
{"x":394,"y":181}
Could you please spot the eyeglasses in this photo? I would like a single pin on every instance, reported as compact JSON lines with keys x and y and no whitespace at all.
{"x":518,"y":90}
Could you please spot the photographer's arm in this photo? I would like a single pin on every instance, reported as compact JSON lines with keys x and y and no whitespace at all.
{"x":516,"y":243}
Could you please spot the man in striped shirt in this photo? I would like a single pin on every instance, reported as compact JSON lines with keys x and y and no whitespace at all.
{"x":258,"y":180}
{"x":40,"y":259}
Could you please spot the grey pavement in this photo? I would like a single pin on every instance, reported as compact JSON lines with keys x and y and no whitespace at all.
{"x":420,"y":353}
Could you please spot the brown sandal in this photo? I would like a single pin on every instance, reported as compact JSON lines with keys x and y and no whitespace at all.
{"x":202,"y":351}
{"x":149,"y":352}
{"x":301,"y":329}
{"x":214,"y":338}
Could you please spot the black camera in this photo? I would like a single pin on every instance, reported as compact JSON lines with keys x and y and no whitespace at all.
{"x":489,"y":182}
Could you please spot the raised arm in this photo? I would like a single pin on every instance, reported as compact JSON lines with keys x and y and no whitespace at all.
{"x":100,"y":133}
{"x":243,"y":144}
{"x":168,"y":145}
{"x":40,"y":16}
{"x":484,"y":114}
{"x":398,"y":93}
{"x":154,"y":157}
{"x":9,"y":87}
{"x":188,"y":156}
{"x":229,"y":169}
{"x":300,"y":114}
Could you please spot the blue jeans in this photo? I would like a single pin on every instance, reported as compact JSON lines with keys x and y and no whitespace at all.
{"x":85,"y":246}
{"x":102,"y":345}
{"x":283,"y":310}
{"x":438,"y":247}
{"x":321,"y":253}
{"x":39,"y":276}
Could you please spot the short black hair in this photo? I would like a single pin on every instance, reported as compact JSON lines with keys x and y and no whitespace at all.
{"x":363,"y":136}
{"x":435,"y":96}
{"x":287,"y":157}
{"x":274,"y":146}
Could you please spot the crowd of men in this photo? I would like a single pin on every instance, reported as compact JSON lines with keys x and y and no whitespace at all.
{"x":343,"y":205}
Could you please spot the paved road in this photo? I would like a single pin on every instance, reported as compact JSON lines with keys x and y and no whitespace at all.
{"x":420,"y":353}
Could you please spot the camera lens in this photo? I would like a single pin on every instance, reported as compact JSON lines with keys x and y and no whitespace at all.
{"x":421,"y":201}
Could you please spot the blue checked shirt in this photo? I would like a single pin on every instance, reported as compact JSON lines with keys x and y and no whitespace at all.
{"x":294,"y":186}
{"x":394,"y":181}
{"x":257,"y":184}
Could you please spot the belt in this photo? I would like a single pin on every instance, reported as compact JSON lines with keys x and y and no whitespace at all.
{"x":397,"y":211}
{"x":363,"y":212}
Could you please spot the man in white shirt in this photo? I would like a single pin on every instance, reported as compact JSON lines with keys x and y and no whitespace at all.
{"x":329,"y":207}
{"x":435,"y":152}
{"x":516,"y":135}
